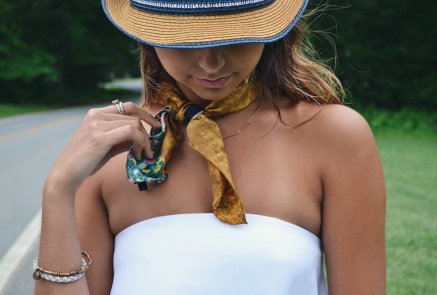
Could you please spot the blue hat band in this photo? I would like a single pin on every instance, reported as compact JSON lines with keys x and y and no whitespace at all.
{"x":196,"y":7}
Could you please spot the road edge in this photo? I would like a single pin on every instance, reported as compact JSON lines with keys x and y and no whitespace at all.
{"x":19,"y":251}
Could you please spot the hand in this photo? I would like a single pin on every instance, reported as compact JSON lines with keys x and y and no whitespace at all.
{"x":103,"y":133}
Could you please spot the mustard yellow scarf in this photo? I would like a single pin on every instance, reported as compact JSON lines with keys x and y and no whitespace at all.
{"x":204,"y":137}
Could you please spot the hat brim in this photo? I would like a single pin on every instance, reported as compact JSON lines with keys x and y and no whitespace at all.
{"x":262,"y":25}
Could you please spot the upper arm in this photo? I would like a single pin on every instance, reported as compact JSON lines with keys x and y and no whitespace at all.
{"x":353,"y":213}
{"x":95,"y":235}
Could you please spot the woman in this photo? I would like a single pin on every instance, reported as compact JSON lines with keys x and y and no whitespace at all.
{"x":252,"y":172}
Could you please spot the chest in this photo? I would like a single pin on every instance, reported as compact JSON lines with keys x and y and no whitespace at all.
{"x":273,"y":171}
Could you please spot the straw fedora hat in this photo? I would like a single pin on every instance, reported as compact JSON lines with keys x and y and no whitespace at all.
{"x":204,"y":23}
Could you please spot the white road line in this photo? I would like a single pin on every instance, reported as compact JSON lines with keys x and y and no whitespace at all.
{"x":18,"y":252}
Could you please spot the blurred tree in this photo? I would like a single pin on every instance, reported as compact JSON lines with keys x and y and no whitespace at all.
{"x":18,"y":60}
{"x":70,"y":44}
{"x":385,"y":51}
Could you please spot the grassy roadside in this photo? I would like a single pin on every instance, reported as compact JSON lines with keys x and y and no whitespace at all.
{"x":407,"y":142}
{"x":106,"y":93}
{"x":410,"y":167}
{"x":8,"y":110}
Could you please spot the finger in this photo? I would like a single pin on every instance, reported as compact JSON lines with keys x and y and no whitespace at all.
{"x":147,"y":150}
{"x":136,"y":123}
{"x":130,"y":133}
{"x":140,"y":147}
{"x":117,"y":117}
{"x":107,"y":125}
{"x":130,"y":109}
{"x":123,"y":120}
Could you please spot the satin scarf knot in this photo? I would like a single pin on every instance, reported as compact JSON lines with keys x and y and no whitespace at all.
{"x":204,"y":136}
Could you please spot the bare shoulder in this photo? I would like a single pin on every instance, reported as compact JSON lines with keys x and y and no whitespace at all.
{"x":341,"y":123}
{"x":335,"y":128}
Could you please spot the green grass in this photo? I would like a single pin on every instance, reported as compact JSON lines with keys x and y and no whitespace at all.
{"x":410,"y":167}
{"x":7,"y":110}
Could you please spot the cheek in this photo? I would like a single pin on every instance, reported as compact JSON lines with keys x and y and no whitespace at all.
{"x":250,"y":54}
{"x":173,"y":61}
{"x":257,"y":52}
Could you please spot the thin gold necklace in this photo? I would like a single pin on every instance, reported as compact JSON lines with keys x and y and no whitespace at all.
{"x":245,"y":125}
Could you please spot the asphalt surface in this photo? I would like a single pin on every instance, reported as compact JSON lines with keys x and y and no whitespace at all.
{"x":29,"y":145}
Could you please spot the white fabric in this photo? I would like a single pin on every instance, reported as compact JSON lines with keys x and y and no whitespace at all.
{"x":197,"y":254}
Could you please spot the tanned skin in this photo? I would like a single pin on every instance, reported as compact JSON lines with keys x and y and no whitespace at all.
{"x":324,"y":175}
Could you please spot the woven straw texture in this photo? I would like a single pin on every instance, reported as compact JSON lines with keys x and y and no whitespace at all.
{"x":159,"y":29}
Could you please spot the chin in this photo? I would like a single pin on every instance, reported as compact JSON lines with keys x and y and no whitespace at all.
{"x":214,"y":94}
{"x":204,"y":95}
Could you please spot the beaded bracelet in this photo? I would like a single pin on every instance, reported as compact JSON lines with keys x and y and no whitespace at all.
{"x":62,"y":277}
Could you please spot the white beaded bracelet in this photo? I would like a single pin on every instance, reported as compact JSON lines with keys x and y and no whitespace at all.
{"x":58,"y":277}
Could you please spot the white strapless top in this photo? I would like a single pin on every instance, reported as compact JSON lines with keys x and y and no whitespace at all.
{"x":196,"y":254}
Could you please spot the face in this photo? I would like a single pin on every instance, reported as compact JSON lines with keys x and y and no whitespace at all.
{"x":208,"y":74}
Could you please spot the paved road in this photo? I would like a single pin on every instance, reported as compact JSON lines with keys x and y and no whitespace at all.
{"x":29,"y":145}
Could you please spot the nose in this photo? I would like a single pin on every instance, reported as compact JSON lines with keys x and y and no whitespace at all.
{"x":211,"y":59}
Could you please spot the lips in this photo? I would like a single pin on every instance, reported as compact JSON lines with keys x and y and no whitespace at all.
{"x":214,"y":83}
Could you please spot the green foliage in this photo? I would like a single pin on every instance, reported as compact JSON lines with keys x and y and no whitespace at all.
{"x":385,"y":51}
{"x":18,"y":60}
{"x":54,"y":47}
{"x":402,"y":122}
